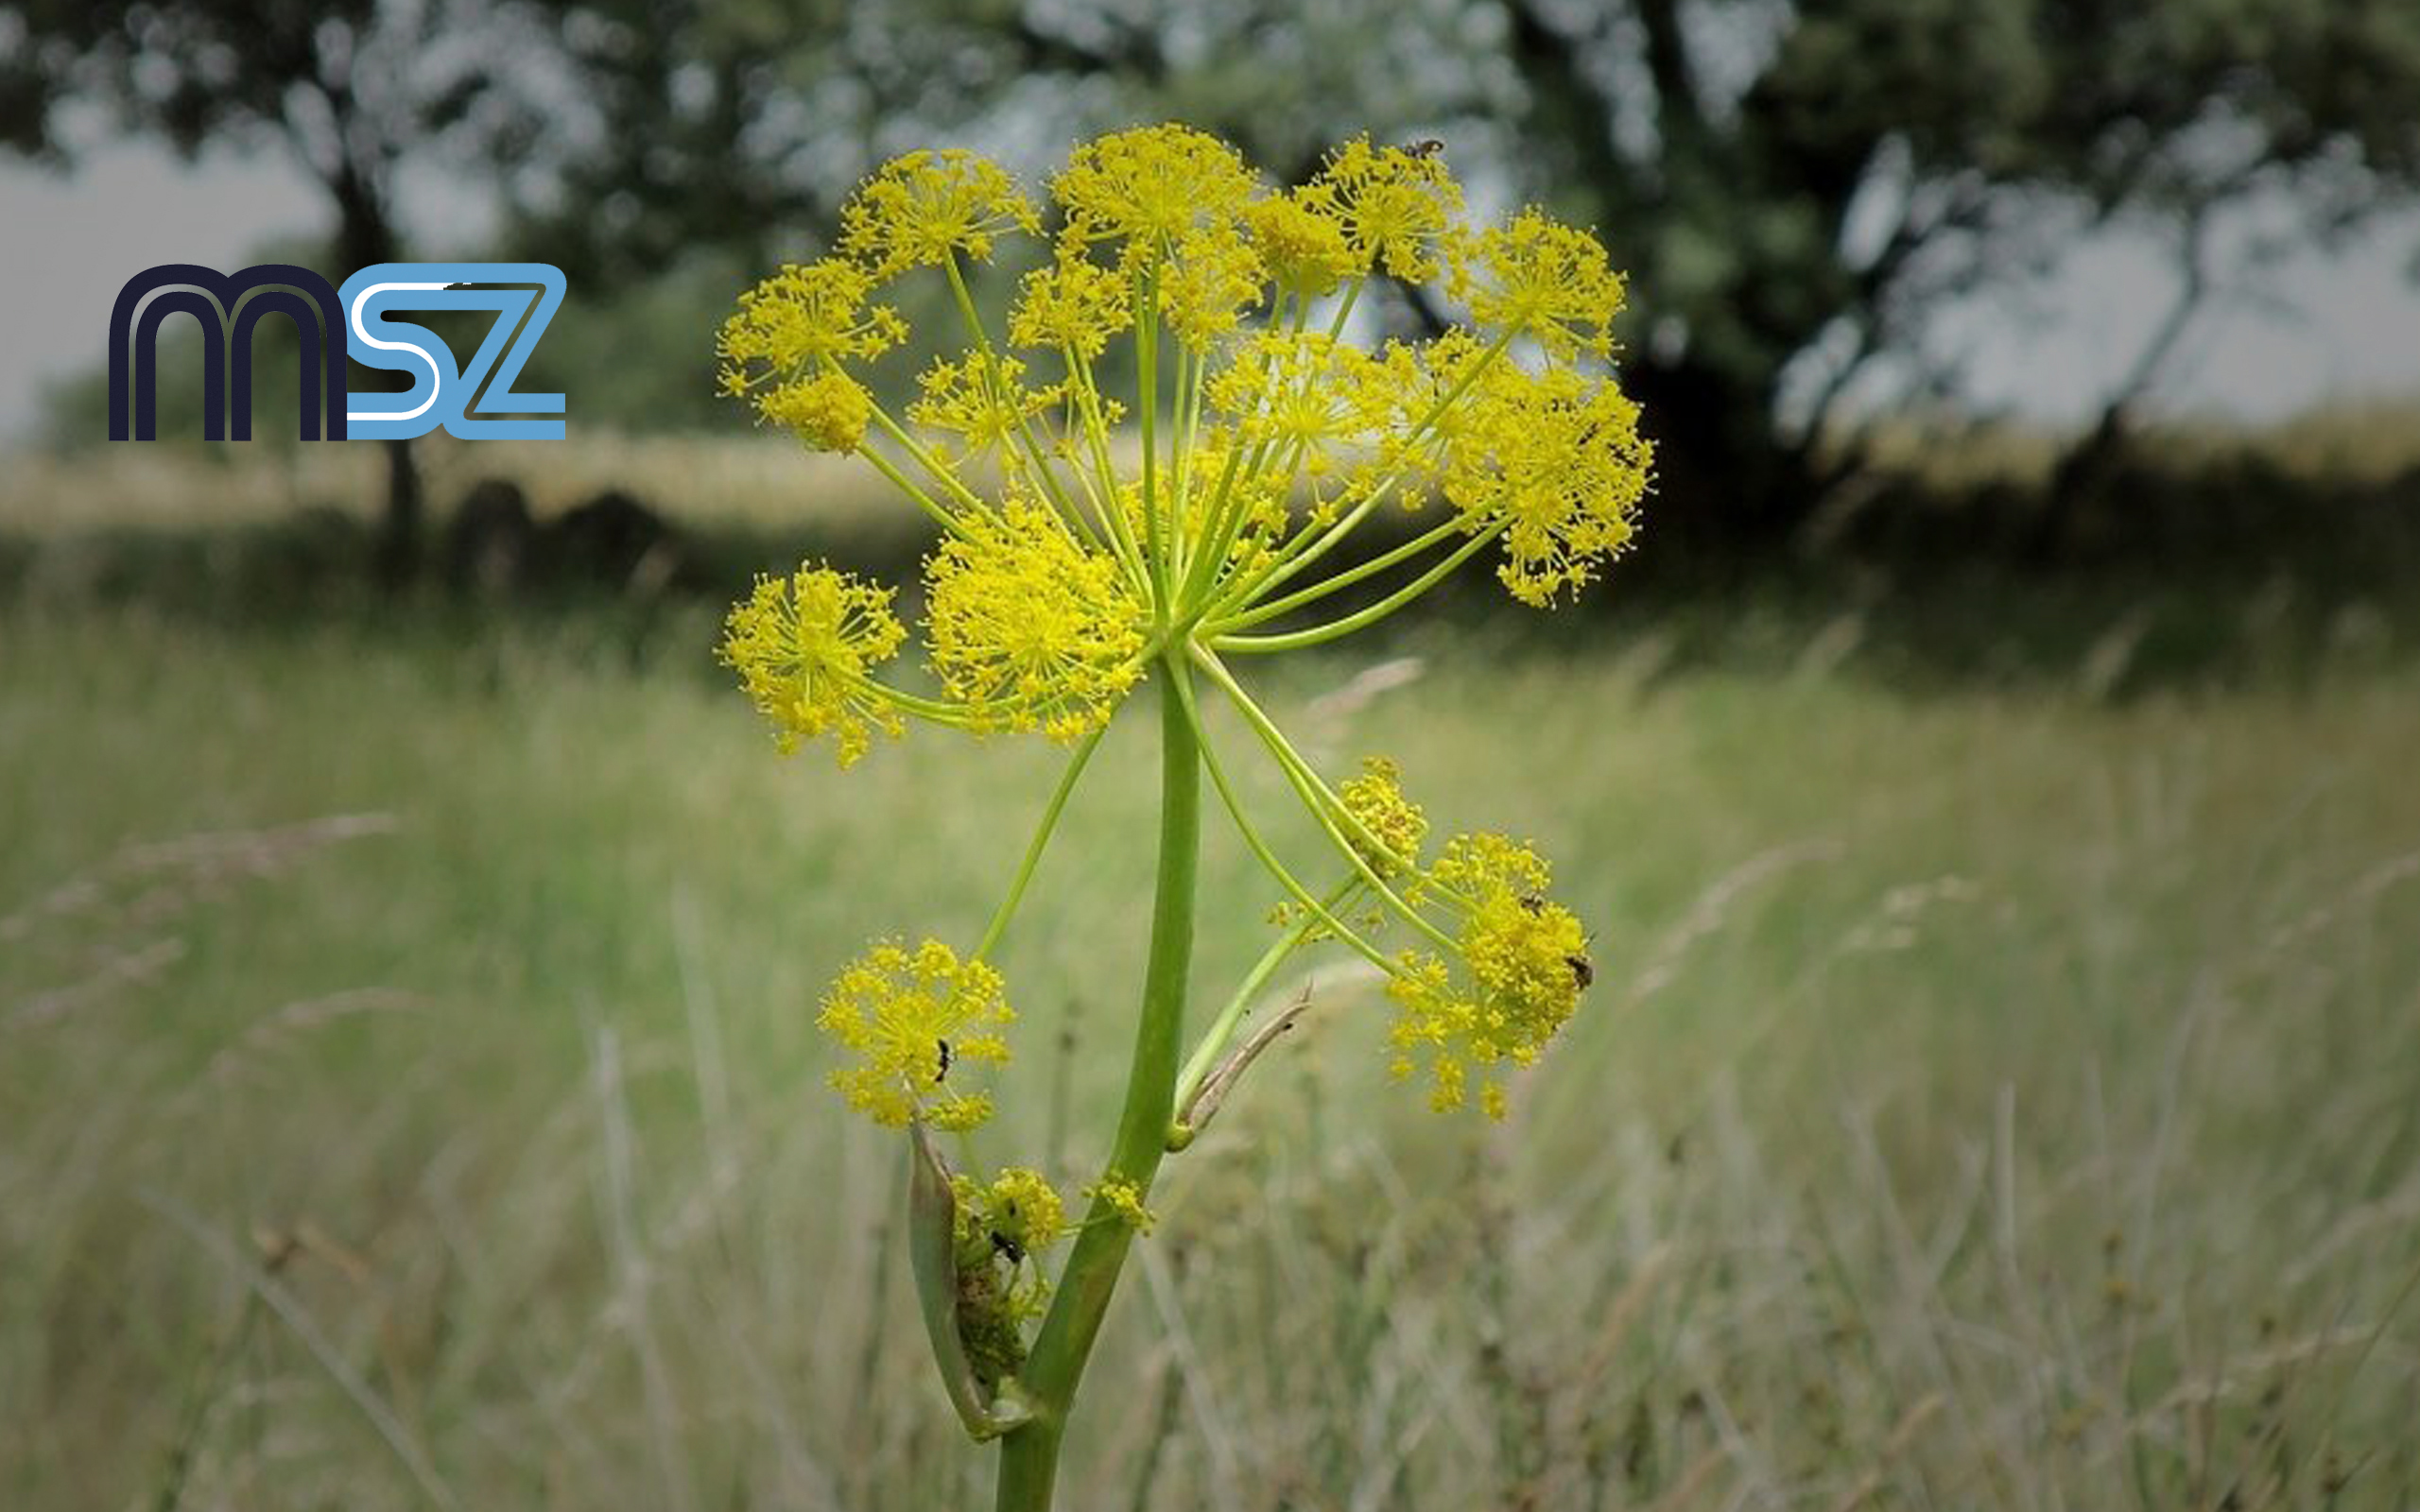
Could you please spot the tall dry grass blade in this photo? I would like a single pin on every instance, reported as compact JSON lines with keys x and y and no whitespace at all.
{"x":291,"y":1312}
{"x":634,"y":1275}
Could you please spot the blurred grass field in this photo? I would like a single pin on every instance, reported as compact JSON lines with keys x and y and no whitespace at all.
{"x":2002,"y":1097}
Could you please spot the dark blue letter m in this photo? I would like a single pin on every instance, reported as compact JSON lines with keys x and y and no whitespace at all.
{"x":210,"y":298}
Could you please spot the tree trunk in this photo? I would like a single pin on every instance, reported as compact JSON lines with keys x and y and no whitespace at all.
{"x":1727,"y":487}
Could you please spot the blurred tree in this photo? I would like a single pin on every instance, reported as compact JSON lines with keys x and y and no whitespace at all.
{"x":1799,"y":186}
{"x":741,"y":124}
{"x":348,"y":89}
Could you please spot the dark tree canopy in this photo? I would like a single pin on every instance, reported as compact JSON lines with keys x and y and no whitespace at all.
{"x":1799,"y":187}
{"x":347,"y":89}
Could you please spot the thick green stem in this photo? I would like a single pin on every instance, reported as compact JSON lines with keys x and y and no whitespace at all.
{"x":1030,"y":1456}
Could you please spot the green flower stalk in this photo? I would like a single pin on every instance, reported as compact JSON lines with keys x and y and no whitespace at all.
{"x":1072,"y":569}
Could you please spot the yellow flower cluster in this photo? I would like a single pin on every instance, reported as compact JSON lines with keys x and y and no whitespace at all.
{"x":1074,"y":306}
{"x":1268,"y":437}
{"x":1534,"y":277}
{"x":981,"y":400}
{"x":1004,"y":1226}
{"x":999,"y":1233}
{"x":924,"y":208}
{"x":1302,"y":243}
{"x":1380,"y":813}
{"x":1031,"y":629}
{"x":1211,"y":278}
{"x":1124,"y":1200}
{"x":1302,"y":391}
{"x":1148,"y":187}
{"x":785,"y":345}
{"x":1021,"y":1213}
{"x":804,"y":647}
{"x":914,"y":1021}
{"x":1393,"y":206}
{"x":1555,"y":463}
{"x":811,"y":315}
{"x":828,"y":412}
{"x":1524,"y":963}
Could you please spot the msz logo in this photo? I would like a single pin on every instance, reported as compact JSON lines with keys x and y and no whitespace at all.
{"x":354,"y":324}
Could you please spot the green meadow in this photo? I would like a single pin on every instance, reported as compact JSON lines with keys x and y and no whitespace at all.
{"x":2005,"y":1094}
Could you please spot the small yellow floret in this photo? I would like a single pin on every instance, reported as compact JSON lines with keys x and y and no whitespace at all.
{"x":803,"y":646}
{"x":1377,"y":802}
{"x":1029,"y":628}
{"x":924,"y":208}
{"x":1538,"y":278}
{"x":1125,"y":1199}
{"x":1150,"y":186}
{"x":914,"y":1021}
{"x":829,"y":411}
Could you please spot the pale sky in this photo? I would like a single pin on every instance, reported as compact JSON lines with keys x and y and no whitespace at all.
{"x":2346,"y":325}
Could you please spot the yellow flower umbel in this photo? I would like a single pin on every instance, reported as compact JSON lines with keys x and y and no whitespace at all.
{"x":1073,"y":307}
{"x":828,"y":412}
{"x":1535,"y":278}
{"x":981,"y":400}
{"x":1123,"y":1201}
{"x":1030,"y":629}
{"x":916,"y":1021}
{"x":798,"y":329}
{"x":1524,"y":963}
{"x":1269,"y":439}
{"x":1393,"y":206}
{"x":1020,"y":1213}
{"x":1150,"y":186}
{"x":1004,"y":1230}
{"x":1302,"y":243}
{"x":1172,"y":453}
{"x":803,"y":646}
{"x":926,"y":208}
{"x":977,"y":1252}
{"x":1387,"y":827}
{"x":1554,"y":463}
